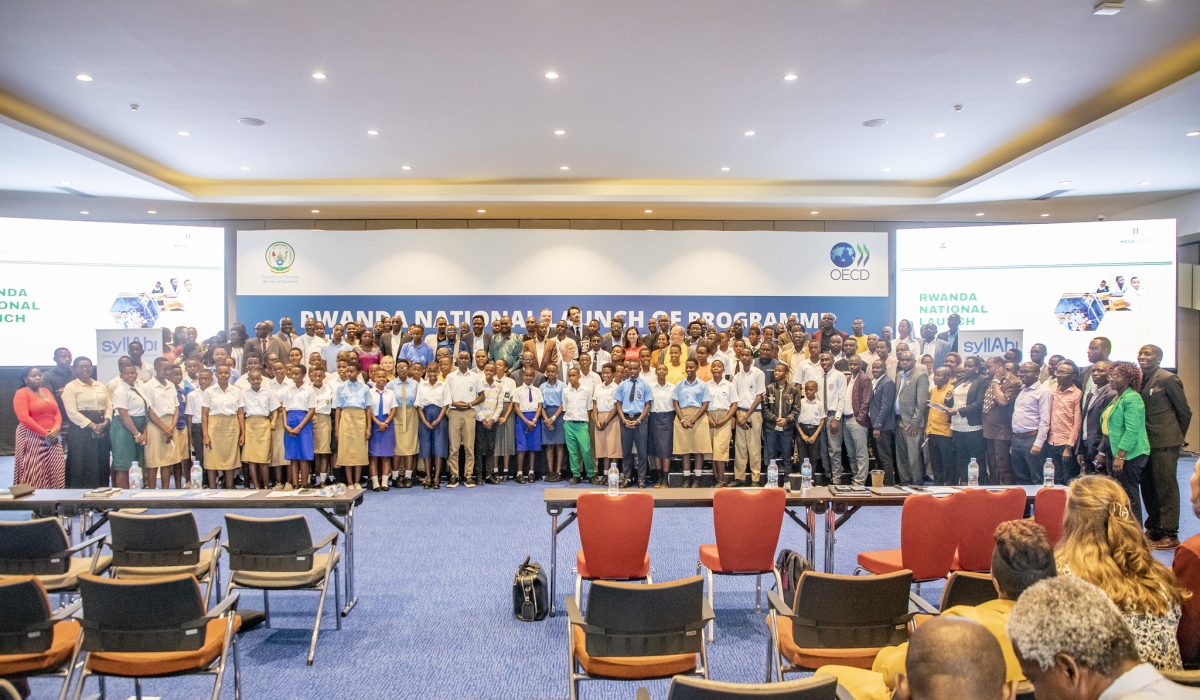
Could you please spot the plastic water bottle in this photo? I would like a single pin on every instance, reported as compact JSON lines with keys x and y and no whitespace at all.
{"x":135,"y":476}
{"x":772,"y":475}
{"x":1048,"y":474}
{"x":806,"y":475}
{"x":614,"y":480}
{"x":197,"y":477}
{"x":973,"y":473}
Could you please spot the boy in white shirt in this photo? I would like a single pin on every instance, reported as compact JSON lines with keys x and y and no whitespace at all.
{"x":809,"y":423}
{"x":195,"y":412}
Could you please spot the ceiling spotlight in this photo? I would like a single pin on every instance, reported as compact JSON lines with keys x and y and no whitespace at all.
{"x":372,"y":132}
{"x":725,"y":168}
{"x":564,"y":167}
{"x":790,"y":76}
{"x":875,"y":122}
{"x":814,"y":213}
{"x":748,"y":133}
{"x":316,"y":211}
{"x":133,"y":108}
{"x":1044,"y":215}
{"x":939,"y":135}
{"x":84,"y":77}
{"x":83,"y":212}
{"x":245,"y":167}
{"x":887,"y":170}
{"x":1022,"y":81}
{"x":958,"y":108}
{"x":552,"y":75}
{"x":559,"y":132}
{"x":1108,"y":7}
{"x":319,"y":76}
{"x":1064,"y":183}
{"x":979,"y":214}
{"x":183,"y":133}
{"x":481,"y":211}
{"x":65,"y":182}
{"x":649,"y":211}
{"x":406,"y":167}
{"x":1192,"y":133}
{"x":250,"y":121}
{"x":151,"y":212}
{"x":1144,"y":182}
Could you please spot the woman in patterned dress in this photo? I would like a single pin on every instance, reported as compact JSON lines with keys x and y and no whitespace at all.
{"x":39,"y":460}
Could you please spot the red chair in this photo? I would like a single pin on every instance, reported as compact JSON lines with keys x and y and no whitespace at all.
{"x":978,"y":512}
{"x":927,"y":541}
{"x":614,"y":534}
{"x":1187,"y":571}
{"x":747,"y":524}
{"x":1049,"y":509}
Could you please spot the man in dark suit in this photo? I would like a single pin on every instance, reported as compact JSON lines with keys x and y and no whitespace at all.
{"x":392,"y":341}
{"x":478,"y":338}
{"x":576,"y":328}
{"x":882,"y":412}
{"x":1167,"y":418}
{"x":287,"y":333}
{"x":950,"y":335}
{"x":1094,"y":403}
{"x":613,"y":337}
{"x":265,"y":343}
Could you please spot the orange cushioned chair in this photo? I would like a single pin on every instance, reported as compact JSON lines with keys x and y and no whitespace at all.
{"x":1187,"y":571}
{"x":153,"y":628}
{"x":33,"y":642}
{"x":1049,"y":509}
{"x":614,"y":534}
{"x":747,"y":525}
{"x":978,"y":512}
{"x":928,"y":538}
{"x":638,"y":632}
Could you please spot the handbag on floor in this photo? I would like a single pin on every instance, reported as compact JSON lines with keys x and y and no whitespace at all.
{"x":791,"y":565}
{"x":529,"y":592}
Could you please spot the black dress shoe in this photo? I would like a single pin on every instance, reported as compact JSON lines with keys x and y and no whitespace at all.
{"x":574,"y":481}
{"x":520,"y":478}
{"x":624,"y":483}
{"x":641,"y":483}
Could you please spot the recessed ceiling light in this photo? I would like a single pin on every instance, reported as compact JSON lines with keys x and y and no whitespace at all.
{"x":245,"y":167}
{"x":250,"y":121}
{"x":887,"y":170}
{"x":790,"y":76}
{"x":1022,"y":81}
{"x":319,"y":76}
{"x":552,"y":75}
{"x":151,"y":211}
{"x":564,"y":167}
{"x":406,"y":167}
{"x":649,"y":211}
{"x":979,"y":214}
{"x":726,"y":167}
{"x":559,"y":132}
{"x":814,"y":213}
{"x":748,"y":133}
{"x":372,"y":132}
{"x":84,"y":77}
{"x":1065,"y":182}
{"x":183,"y":133}
{"x":1192,"y":133}
{"x":65,"y":182}
{"x":1045,"y":215}
{"x":939,"y":135}
{"x":1108,"y":7}
{"x":871,"y":123}
{"x":481,"y":211}
{"x":316,"y":211}
{"x":1144,"y":182}
{"x":83,"y":212}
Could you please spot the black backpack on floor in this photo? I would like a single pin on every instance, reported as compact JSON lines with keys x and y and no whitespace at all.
{"x":791,"y":565}
{"x":529,"y":593}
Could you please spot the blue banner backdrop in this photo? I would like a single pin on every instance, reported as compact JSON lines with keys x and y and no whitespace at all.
{"x":721,"y":310}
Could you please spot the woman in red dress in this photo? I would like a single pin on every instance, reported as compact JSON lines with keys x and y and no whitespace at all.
{"x":39,"y":460}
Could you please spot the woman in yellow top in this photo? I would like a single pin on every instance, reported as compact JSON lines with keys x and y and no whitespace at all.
{"x":1022,"y":557}
{"x":676,"y":366}
{"x":937,"y":427}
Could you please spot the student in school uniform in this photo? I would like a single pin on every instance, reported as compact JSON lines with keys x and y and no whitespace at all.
{"x":261,"y":406}
{"x":662,"y":425}
{"x":195,"y":414}
{"x":506,"y":433}
{"x":576,"y":410}
{"x":382,"y":445}
{"x":352,"y":426}
{"x":553,"y":438}
{"x":692,"y":438}
{"x":278,"y":385}
{"x":404,"y":387}
{"x":222,"y":427}
{"x":299,"y":403}
{"x":466,"y":393}
{"x":128,"y":432}
{"x":608,"y":425}
{"x":780,"y":406}
{"x":433,"y":401}
{"x":322,"y":425}
{"x":528,"y":402}
{"x":163,"y":398}
{"x":486,"y":415}
{"x":722,"y":411}
{"x":810,"y":421}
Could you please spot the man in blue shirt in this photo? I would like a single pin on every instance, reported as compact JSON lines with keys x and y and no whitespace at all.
{"x":417,"y":350}
{"x":633,"y":395}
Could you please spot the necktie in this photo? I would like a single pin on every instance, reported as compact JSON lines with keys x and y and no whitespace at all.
{"x":264,"y":347}
{"x":381,"y":405}
{"x":825,"y":392}
{"x":989,"y":397}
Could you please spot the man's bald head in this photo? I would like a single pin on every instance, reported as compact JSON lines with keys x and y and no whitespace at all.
{"x":950,"y":658}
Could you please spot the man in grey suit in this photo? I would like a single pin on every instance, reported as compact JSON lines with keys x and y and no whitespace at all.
{"x":477,"y":339}
{"x":1167,"y":419}
{"x":287,"y":333}
{"x":911,"y":406}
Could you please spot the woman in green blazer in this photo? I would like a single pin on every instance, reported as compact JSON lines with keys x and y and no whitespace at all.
{"x":1123,"y":423}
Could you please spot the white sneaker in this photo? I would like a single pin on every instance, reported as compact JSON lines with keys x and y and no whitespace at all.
{"x":289,"y":487}
{"x":277,"y":487}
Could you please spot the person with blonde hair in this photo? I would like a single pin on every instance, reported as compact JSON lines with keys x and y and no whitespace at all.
{"x":1102,"y":543}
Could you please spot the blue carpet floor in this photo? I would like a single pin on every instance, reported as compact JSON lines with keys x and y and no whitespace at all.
{"x":434,"y":614}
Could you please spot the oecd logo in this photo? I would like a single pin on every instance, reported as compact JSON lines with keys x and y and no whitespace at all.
{"x":845,"y":256}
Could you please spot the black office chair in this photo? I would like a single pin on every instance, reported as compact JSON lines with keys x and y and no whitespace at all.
{"x":155,"y":628}
{"x":34,"y":642}
{"x":968,"y":588}
{"x":278,"y":554}
{"x":42,"y":548}
{"x":638,"y":632}
{"x":152,"y":546}
{"x":837,"y":620}
{"x":814,"y":688}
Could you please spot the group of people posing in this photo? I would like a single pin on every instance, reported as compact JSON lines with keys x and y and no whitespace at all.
{"x":394,"y":405}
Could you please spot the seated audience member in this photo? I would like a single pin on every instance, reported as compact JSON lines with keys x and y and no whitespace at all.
{"x":952,"y":659}
{"x":1073,"y":644}
{"x":1103,"y":544}
{"x":1022,"y":557}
